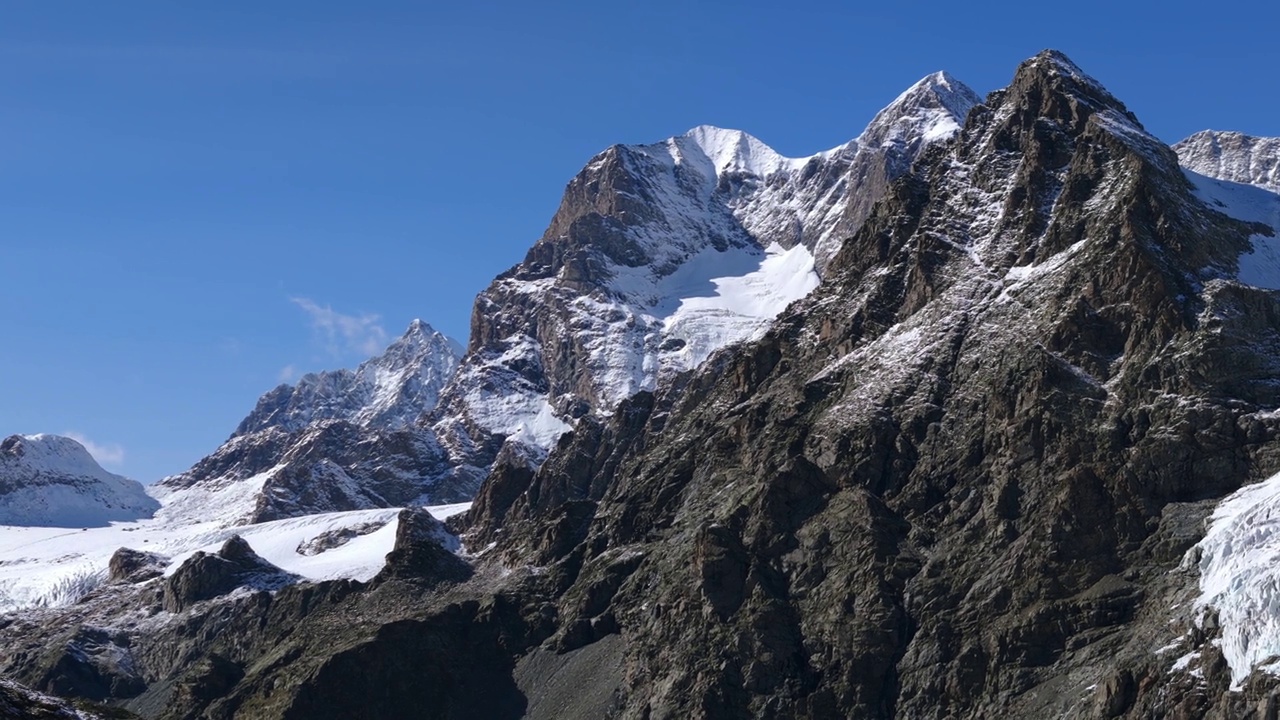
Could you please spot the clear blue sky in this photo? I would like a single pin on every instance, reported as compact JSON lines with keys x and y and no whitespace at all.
{"x":199,"y":199}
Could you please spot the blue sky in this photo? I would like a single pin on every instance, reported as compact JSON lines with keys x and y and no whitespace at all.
{"x":198,"y":200}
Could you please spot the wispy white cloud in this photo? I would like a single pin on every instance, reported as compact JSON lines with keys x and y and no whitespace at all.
{"x":288,"y":373}
{"x":344,"y":334}
{"x":105,"y":453}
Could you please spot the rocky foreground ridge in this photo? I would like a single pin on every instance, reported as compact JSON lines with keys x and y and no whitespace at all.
{"x":966,"y":476}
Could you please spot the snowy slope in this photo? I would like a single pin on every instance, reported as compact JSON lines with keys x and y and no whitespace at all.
{"x":50,"y":480}
{"x":51,"y":566}
{"x":1261,"y":266}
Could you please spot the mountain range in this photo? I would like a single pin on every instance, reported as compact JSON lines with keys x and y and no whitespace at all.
{"x":972,"y":416}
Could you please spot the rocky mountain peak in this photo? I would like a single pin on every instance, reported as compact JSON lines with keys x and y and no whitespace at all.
{"x":338,"y":440}
{"x":658,"y":256}
{"x":392,"y":389}
{"x":1051,"y":87}
{"x":965,"y":436}
{"x":932,"y":109}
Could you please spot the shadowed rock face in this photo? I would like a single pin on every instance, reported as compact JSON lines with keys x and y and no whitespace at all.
{"x":206,"y":576}
{"x":424,"y":551}
{"x":939,"y":486}
{"x":958,"y":480}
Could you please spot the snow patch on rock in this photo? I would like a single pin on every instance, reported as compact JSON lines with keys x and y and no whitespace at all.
{"x":1240,"y":575}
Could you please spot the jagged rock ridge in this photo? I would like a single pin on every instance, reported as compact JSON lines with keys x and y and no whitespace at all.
{"x":338,"y":440}
{"x":1233,"y":156}
{"x":390,"y":391}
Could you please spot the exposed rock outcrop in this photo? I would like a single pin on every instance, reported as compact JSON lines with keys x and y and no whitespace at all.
{"x":135,"y":566}
{"x":424,"y":551}
{"x":205,"y":576}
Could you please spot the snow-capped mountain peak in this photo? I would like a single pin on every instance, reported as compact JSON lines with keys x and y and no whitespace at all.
{"x":50,"y":480}
{"x":662,"y":254}
{"x":1234,"y":157}
{"x":52,"y":454}
{"x":736,"y":151}
{"x":338,"y":440}
{"x":392,"y":389}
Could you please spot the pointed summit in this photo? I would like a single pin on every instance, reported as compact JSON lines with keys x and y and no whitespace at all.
{"x":932,"y":109}
{"x":1052,"y":87}
{"x":420,"y":334}
{"x":390,"y":390}
{"x":419,"y":327}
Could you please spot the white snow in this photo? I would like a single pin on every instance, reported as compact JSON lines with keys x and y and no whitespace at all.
{"x":1261,"y":266}
{"x":39,"y":565}
{"x":542,"y":430}
{"x":742,"y":307}
{"x":1240,"y":575}
{"x":906,"y":119}
{"x":228,"y":500}
{"x":56,"y":482}
{"x":736,"y":151}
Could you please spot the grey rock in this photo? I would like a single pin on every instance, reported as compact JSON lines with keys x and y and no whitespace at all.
{"x":205,"y":576}
{"x":135,"y":566}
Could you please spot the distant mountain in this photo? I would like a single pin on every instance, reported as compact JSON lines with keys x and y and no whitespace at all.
{"x":388,"y":391}
{"x":1233,"y":156}
{"x":50,"y":480}
{"x":338,"y":440}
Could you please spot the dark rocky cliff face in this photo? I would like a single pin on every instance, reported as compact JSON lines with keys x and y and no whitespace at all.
{"x":932,"y":490}
{"x":958,"y":480}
